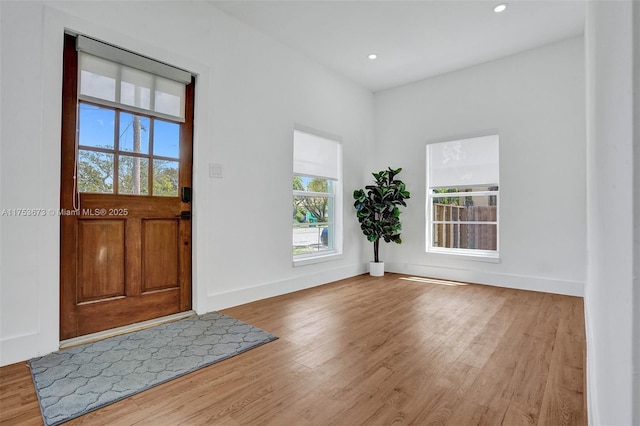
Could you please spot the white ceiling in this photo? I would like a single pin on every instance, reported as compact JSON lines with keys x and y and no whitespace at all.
{"x":413,"y":39}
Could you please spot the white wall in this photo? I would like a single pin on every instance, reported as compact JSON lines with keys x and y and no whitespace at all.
{"x":250,"y":92}
{"x":609,"y":292}
{"x":536,"y":102}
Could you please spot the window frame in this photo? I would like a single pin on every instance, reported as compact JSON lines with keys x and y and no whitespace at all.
{"x":330,"y":196}
{"x":470,"y":189}
{"x":335,"y":199}
{"x":117,"y":152}
{"x":461,"y":251}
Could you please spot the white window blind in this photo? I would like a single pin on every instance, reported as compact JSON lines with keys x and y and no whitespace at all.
{"x":315,"y":156}
{"x":114,"y":77}
{"x":465,"y":162}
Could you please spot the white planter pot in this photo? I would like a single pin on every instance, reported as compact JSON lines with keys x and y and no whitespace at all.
{"x":376,"y":269}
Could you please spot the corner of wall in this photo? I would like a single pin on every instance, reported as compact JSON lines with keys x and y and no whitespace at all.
{"x":611,"y":293}
{"x":636,"y":215}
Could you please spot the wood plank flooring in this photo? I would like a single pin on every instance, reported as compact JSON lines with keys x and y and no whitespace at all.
{"x":375,"y":351}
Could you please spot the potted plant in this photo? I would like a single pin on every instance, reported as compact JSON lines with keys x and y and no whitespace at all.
{"x":378,"y":212}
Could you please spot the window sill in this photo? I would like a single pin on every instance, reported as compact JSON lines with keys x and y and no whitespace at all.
{"x":489,"y":257}
{"x":310,"y":260}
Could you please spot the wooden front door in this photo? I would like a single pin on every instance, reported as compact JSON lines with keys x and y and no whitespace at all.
{"x":125,"y":212}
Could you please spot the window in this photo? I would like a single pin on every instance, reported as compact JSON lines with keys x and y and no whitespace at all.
{"x":128,"y":122}
{"x":463,"y":197}
{"x":124,"y":153}
{"x":317,"y":193}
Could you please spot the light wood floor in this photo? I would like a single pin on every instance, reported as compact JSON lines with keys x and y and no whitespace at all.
{"x":376,"y":351}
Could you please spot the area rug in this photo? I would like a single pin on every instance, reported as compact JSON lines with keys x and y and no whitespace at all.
{"x":73,"y":382}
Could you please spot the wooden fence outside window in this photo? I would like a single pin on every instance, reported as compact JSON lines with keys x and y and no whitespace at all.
{"x":465,"y":227}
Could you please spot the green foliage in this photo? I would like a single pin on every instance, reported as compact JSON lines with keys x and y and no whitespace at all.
{"x":377,"y":208}
{"x":446,"y":200}
{"x":317,"y":207}
{"x":165,"y":178}
{"x":96,"y":172}
{"x":133,"y":176}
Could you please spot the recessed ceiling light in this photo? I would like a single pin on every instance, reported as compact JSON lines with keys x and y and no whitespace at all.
{"x":372,"y":56}
{"x":500,"y":8}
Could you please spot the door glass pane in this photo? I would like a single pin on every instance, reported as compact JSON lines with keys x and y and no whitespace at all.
{"x":96,"y":126}
{"x":133,"y":175}
{"x":95,"y":171}
{"x":134,"y":133}
{"x":166,"y":139}
{"x":165,"y":178}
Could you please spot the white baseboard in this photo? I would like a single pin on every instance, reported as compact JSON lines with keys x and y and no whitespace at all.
{"x":520,"y":282}
{"x":241,"y":296}
{"x":20,"y":348}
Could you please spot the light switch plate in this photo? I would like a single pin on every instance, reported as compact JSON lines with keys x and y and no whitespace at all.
{"x":215,"y":170}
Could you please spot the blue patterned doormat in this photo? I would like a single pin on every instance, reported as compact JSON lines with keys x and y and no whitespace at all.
{"x":75,"y":381}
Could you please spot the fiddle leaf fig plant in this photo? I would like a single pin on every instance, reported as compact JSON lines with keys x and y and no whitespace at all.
{"x":377,"y":208}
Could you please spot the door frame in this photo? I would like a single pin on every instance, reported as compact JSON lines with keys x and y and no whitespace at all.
{"x":189,"y":299}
